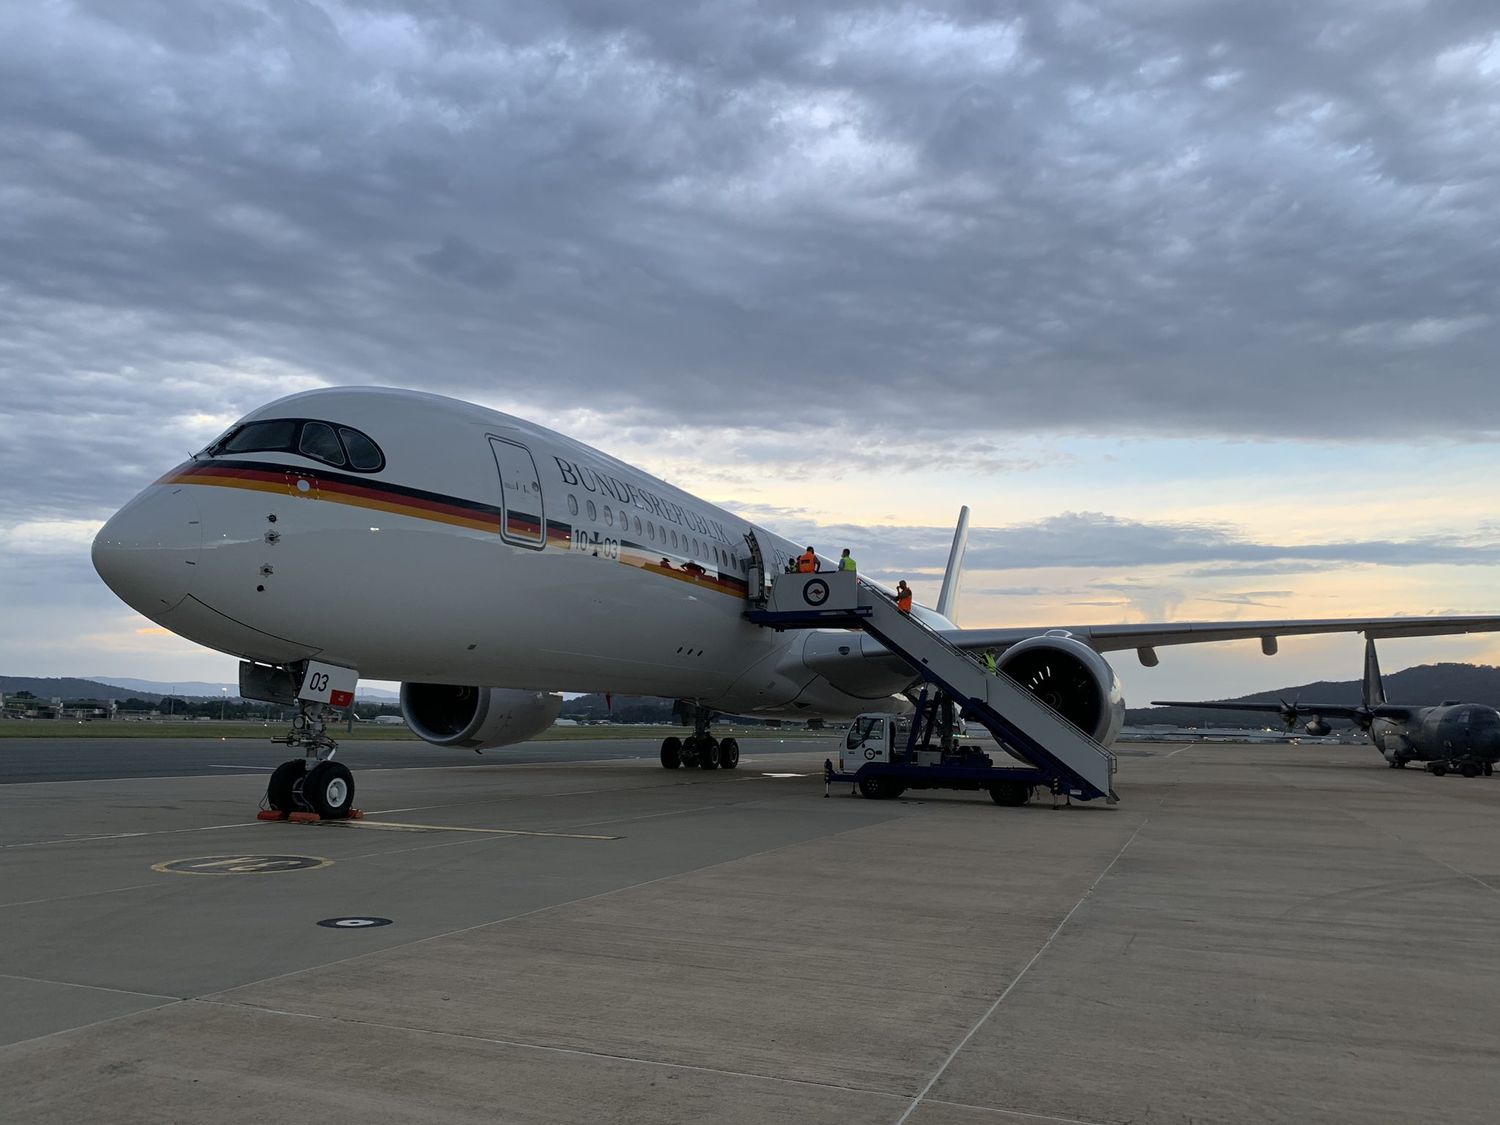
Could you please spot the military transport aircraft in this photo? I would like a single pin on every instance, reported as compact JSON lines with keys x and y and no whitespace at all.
{"x":489,"y":563}
{"x":1459,"y":736}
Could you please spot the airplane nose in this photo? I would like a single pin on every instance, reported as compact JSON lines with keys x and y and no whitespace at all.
{"x":148,"y":551}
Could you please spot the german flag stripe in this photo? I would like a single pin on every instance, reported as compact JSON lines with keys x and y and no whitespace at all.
{"x":362,"y":492}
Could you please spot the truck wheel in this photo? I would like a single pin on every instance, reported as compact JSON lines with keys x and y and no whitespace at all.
{"x":1010,"y":793}
{"x":880,"y":789}
{"x":1439,"y":769}
{"x":1469,"y":769}
{"x":671,"y":752}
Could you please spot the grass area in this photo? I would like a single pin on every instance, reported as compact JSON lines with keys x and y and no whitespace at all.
{"x":46,"y":728}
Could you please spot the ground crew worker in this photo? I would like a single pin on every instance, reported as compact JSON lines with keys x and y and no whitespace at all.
{"x":903,"y":596}
{"x":845,"y":562}
{"x":990,"y":665}
{"x":808,"y":563}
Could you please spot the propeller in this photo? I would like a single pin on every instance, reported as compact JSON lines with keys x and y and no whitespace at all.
{"x":1289,"y":712}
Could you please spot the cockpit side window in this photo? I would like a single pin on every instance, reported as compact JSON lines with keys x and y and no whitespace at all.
{"x":345,"y":448}
{"x":363,"y":453}
{"x":321,"y":443}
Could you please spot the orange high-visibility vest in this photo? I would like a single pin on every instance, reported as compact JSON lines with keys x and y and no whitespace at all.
{"x":808,"y":563}
{"x":903,"y":602}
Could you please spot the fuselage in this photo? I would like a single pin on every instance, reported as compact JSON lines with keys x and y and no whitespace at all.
{"x":439,"y":541}
{"x":1450,"y":732}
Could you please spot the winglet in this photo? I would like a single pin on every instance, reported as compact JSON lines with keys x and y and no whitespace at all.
{"x":1374,"y":689}
{"x":947,"y":603}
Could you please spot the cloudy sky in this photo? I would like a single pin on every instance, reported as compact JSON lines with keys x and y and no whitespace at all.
{"x":1195,"y":304}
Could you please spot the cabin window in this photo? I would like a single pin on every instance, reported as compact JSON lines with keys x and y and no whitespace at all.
{"x":572,"y":504}
{"x":319,"y":442}
{"x":593,"y":512}
{"x":637,"y":522}
{"x":609,"y":518}
{"x":650,"y":530}
{"x":674,"y":538}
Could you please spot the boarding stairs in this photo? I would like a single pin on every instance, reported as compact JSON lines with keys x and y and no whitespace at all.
{"x":1065,"y":756}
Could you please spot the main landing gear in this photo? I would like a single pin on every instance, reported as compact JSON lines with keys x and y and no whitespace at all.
{"x":314,"y":783}
{"x":700,"y":748}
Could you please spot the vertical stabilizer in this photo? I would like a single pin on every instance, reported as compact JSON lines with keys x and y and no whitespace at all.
{"x":1374,"y":692}
{"x":947,"y":603}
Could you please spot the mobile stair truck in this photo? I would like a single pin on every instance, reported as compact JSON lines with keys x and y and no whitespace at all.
{"x":1038,"y":748}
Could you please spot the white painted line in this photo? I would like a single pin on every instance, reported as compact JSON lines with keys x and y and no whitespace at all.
{"x":267,"y":768}
{"x":132,"y":835}
{"x":90,"y":987}
{"x":84,"y":894}
{"x":1035,"y":957}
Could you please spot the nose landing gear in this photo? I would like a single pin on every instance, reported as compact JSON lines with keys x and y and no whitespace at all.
{"x":314,"y":783}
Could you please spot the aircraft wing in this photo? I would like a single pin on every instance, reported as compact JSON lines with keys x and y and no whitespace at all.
{"x":1292,"y":713}
{"x":1114,"y":638}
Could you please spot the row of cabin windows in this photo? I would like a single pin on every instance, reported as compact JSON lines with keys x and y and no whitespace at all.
{"x":340,"y":446}
{"x":724,"y":559}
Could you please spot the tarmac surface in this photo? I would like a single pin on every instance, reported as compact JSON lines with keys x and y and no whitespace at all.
{"x":1267,"y":933}
{"x":92,"y":758}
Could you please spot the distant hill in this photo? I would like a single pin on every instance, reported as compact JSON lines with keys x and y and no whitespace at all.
{"x":64,"y":687}
{"x":201,"y":690}
{"x":1423,"y":685}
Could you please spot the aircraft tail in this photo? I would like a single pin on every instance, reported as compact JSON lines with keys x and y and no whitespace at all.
{"x":1374,"y":689}
{"x":947,"y":603}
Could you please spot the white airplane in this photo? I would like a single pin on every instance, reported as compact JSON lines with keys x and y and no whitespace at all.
{"x":489,"y":563}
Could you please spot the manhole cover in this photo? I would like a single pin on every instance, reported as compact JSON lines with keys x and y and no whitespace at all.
{"x":353,"y":923}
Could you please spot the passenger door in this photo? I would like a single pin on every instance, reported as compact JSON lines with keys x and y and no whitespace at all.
{"x":522,"y":520}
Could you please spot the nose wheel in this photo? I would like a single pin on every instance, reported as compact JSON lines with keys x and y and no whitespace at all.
{"x":315,"y":783}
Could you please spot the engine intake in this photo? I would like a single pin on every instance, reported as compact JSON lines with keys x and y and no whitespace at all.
{"x":476,"y":718}
{"x":1072,"y":679}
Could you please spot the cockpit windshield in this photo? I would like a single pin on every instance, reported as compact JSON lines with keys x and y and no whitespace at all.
{"x":341,"y":446}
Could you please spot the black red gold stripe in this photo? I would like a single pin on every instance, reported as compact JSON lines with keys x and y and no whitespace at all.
{"x":382,"y":496}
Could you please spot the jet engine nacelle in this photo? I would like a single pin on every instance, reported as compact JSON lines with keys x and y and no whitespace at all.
{"x":476,"y":718}
{"x":1072,"y":679}
{"x":1317,"y":727}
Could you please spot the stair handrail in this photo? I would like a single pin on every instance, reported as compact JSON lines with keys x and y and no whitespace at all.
{"x":1099,"y":748}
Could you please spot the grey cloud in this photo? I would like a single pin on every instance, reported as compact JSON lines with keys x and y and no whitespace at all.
{"x":1013,"y":217}
{"x":1094,"y":539}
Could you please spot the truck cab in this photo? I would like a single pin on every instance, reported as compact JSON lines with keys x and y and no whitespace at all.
{"x":882,"y":737}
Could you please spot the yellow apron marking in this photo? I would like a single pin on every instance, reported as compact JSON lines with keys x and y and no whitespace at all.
{"x":397,"y":826}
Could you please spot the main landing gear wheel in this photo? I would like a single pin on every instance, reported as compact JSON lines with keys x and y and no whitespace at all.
{"x":1010,"y":793}
{"x":709,"y":755}
{"x":729,"y":754}
{"x":671,"y":752}
{"x":1469,"y":769}
{"x":329,"y":789}
{"x":286,"y":779}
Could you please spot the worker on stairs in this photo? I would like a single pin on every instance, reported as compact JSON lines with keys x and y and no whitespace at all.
{"x":903,"y":596}
{"x":808,"y":563}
